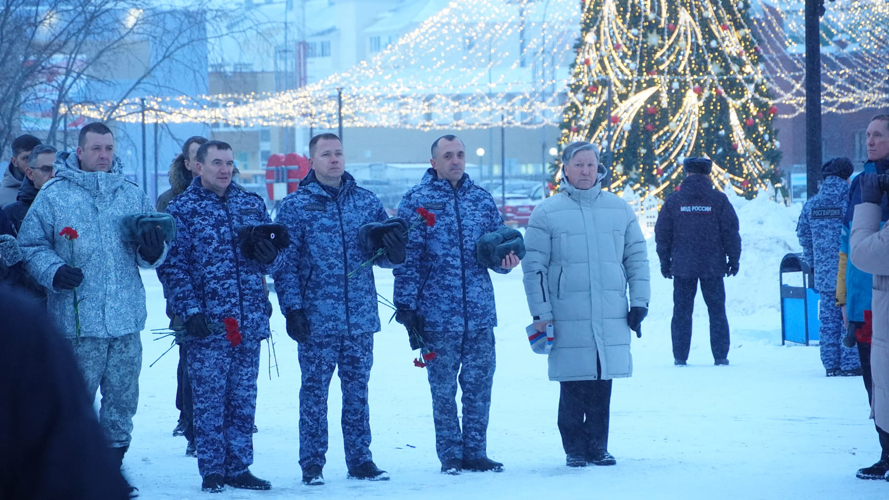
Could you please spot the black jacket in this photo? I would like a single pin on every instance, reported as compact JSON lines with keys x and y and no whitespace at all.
{"x":17,"y":210}
{"x":697,"y":230}
{"x":53,"y":446}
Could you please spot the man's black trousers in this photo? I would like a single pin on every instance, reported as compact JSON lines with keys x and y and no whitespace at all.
{"x":584,"y":409}
{"x":684,"y":290}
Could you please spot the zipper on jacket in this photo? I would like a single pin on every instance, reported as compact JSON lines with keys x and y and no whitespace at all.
{"x":542,"y":287}
{"x":345,"y":263}
{"x":231,"y":229}
{"x":462,"y":260}
{"x":559,"y":289}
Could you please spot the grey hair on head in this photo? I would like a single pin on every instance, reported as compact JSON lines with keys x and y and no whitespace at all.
{"x":37,"y":151}
{"x":572,"y":149}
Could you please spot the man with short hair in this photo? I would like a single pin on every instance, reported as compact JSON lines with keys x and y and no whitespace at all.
{"x":215,"y":281}
{"x":445,"y":296}
{"x":327,"y":293}
{"x":855,"y":286}
{"x":15,"y":173}
{"x":698,"y":239}
{"x":39,"y":170}
{"x":72,"y":242}
{"x":183,"y":170}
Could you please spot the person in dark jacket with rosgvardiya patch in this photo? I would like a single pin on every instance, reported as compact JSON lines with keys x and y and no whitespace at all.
{"x":698,"y":240}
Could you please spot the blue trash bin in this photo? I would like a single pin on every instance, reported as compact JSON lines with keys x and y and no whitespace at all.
{"x":799,"y":304}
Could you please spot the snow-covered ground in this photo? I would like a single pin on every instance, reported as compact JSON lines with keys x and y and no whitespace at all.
{"x":769,"y":426}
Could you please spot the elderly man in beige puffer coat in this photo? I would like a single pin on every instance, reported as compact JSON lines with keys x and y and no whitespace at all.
{"x":584,"y":248}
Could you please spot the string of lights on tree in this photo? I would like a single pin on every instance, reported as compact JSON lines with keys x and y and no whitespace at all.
{"x":466,"y":67}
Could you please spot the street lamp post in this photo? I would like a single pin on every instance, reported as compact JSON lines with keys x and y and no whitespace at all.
{"x":480,"y":152}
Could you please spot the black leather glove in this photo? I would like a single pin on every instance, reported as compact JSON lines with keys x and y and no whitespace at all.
{"x":197,"y":327}
{"x":635,"y":317}
{"x":67,"y":278}
{"x":396,"y":247}
{"x":870,"y":188}
{"x":666,"y":272}
{"x":265,"y":252}
{"x":415,"y":325}
{"x":298,"y":326}
{"x":151,"y":244}
{"x":732,"y":268}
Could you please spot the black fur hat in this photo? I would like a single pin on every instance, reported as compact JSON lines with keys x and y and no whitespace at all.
{"x":133,"y":225}
{"x":840,"y":166}
{"x":697,"y":165}
{"x":491,"y":248}
{"x":371,"y":234}
{"x":276,"y":233}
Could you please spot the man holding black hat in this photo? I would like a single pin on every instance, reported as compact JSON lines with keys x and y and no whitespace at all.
{"x":819,"y":228}
{"x":697,"y":239}
{"x":15,"y":173}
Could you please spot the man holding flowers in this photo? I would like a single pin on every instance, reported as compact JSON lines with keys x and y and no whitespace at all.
{"x":327,"y":293}
{"x":224,"y":245}
{"x":77,"y":242}
{"x":445,"y":299}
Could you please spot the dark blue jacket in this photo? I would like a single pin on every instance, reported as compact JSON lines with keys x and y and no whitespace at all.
{"x":697,"y":230}
{"x":440,"y":276}
{"x":17,"y":210}
{"x":323,"y":225}
{"x":206,"y":272}
{"x":858,"y":284}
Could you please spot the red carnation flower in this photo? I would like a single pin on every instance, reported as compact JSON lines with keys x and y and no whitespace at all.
{"x":429,"y":356}
{"x":231,"y":331}
{"x":69,"y":233}
{"x":419,"y":364}
{"x":428,"y":216}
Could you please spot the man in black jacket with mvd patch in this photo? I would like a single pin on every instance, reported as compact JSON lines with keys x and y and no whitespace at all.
{"x":697,"y":239}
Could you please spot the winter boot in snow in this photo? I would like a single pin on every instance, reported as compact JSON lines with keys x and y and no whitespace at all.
{"x":180,"y":429}
{"x":247,"y":481}
{"x":575,"y":461}
{"x":213,"y":483}
{"x":679,"y":362}
{"x":721,"y":362}
{"x":602,"y":458}
{"x":483,"y":464}
{"x":834,"y":372}
{"x":452,"y":467}
{"x":854,"y":372}
{"x":312,"y":476}
{"x":368,"y":471}
{"x":875,"y":471}
{"x":191,"y":450}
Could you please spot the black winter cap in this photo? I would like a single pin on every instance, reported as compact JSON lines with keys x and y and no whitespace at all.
{"x":24,"y":143}
{"x":697,"y":165}
{"x":839,"y":166}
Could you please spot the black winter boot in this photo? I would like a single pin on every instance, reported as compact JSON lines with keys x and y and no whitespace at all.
{"x":483,"y":464}
{"x":875,"y":471}
{"x":452,"y":466}
{"x":118,"y":454}
{"x":369,"y":471}
{"x":213,"y":483}
{"x":247,"y":481}
{"x":312,"y":476}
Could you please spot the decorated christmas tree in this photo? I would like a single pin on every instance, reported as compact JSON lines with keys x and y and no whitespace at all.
{"x":656,"y":81}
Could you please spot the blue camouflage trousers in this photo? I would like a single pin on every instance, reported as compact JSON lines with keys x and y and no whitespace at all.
{"x":833,"y":354}
{"x":112,"y":365}
{"x":223,"y":383}
{"x":352,"y":356}
{"x":467,"y":357}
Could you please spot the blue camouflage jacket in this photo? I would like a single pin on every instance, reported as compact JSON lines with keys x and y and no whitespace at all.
{"x":206,"y":272}
{"x":323,"y":224}
{"x":819,"y":228}
{"x":440,"y":276}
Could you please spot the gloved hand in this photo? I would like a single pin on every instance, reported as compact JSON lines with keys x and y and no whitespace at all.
{"x":635,"y":317}
{"x":732,"y":268}
{"x":870,"y":188}
{"x":264,"y":252}
{"x":665,"y":269}
{"x":67,"y":278}
{"x":151,"y":244}
{"x":415,"y":325}
{"x":197,"y":327}
{"x":396,"y":247}
{"x":298,"y":326}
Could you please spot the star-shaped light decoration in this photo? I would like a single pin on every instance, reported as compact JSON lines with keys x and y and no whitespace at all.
{"x":652,"y":38}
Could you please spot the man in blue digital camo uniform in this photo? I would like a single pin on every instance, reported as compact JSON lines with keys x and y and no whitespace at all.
{"x":214,"y":276}
{"x":330,"y":302}
{"x":443,"y":293}
{"x":698,"y":240}
{"x":819,"y":228}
